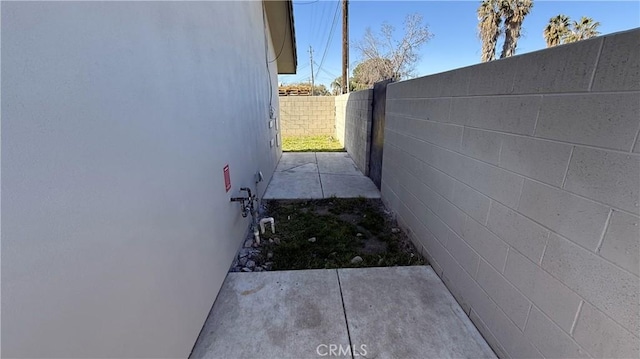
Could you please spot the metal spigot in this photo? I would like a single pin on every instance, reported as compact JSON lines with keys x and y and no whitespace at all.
{"x":245,"y":202}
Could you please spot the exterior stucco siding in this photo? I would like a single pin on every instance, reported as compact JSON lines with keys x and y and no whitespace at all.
{"x":117,"y":121}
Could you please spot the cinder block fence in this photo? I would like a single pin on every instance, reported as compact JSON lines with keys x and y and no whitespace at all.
{"x":520,"y":180}
{"x":347,"y":117}
{"x":307,"y":115}
{"x":353,"y":125}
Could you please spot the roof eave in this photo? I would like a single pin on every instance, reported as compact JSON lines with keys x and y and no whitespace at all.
{"x":281,"y":27}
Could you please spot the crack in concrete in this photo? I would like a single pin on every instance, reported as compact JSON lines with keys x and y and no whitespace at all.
{"x":319,"y":177}
{"x":344,"y":311}
{"x":289,"y":169}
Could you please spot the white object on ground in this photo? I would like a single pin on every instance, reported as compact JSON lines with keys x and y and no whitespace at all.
{"x":265,"y":221}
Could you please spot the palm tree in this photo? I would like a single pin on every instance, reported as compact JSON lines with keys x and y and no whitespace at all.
{"x":513,"y":12}
{"x":557,"y":30}
{"x":336,"y":86}
{"x":489,"y":28}
{"x":584,"y":29}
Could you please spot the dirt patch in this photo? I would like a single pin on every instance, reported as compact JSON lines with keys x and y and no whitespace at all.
{"x":330,"y":233}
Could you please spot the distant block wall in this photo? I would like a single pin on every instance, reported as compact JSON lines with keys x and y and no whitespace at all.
{"x":307,"y":115}
{"x":353,"y":125}
{"x":520,"y":180}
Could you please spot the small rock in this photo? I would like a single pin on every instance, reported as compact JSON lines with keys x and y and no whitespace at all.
{"x":269,"y":255}
{"x":270,"y":240}
{"x":242,"y":261}
{"x":380,"y":261}
{"x":259,"y":269}
{"x":251,"y":264}
{"x":395,"y":230}
{"x":312,"y":239}
{"x":245,"y":269}
{"x":242,"y":254}
{"x":356,"y":260}
{"x":358,"y":234}
{"x":248,"y":243}
{"x":276,"y":240}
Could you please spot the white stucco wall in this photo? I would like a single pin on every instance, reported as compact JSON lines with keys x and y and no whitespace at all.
{"x":117,"y":121}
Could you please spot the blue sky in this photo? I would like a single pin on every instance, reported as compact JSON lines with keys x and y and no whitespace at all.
{"x":453,"y":23}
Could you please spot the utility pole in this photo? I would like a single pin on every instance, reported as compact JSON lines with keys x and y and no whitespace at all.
{"x":311,"y":58}
{"x":345,"y":46}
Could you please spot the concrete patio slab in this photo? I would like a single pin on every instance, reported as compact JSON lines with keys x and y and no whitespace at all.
{"x":336,"y":163}
{"x":295,"y":159}
{"x":274,"y":315}
{"x":395,"y":312}
{"x":294,"y":185}
{"x":407,"y":312}
{"x":348,"y":186}
{"x":315,"y":175}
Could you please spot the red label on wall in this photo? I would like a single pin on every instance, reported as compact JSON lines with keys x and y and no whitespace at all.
{"x":227,"y":178}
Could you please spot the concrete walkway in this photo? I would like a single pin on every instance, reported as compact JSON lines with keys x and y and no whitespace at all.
{"x":395,"y":312}
{"x":315,"y":175}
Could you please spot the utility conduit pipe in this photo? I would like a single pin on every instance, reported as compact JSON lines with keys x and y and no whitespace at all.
{"x":265,"y":221}
{"x":256,"y":234}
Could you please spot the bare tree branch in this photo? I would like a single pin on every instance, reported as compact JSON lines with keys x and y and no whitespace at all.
{"x":385,"y":57}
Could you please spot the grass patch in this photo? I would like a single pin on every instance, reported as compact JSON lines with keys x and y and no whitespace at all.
{"x":311,"y":144}
{"x":342,"y":228}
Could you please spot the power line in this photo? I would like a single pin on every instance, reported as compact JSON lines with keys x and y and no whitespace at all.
{"x":320,"y":22}
{"x":311,"y":23}
{"x":324,"y":77}
{"x":328,"y":22}
{"x":333,"y":26}
{"x":325,"y":71}
{"x":333,"y":76}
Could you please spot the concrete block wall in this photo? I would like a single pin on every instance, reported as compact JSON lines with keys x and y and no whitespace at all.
{"x":353,"y":125}
{"x":519,"y":179}
{"x":307,"y":115}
